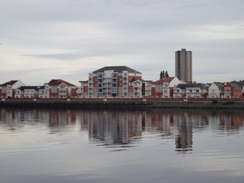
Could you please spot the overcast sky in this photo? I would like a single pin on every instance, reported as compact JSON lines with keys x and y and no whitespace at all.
{"x":42,"y":40}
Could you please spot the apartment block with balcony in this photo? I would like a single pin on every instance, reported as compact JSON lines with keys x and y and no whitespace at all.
{"x":111,"y":81}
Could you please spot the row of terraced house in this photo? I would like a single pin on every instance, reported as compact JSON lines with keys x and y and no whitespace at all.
{"x":122,"y":82}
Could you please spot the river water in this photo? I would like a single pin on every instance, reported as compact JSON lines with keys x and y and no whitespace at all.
{"x":80,"y":146}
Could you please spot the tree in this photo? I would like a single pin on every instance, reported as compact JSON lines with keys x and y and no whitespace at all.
{"x":161,"y":75}
{"x":166,"y":74}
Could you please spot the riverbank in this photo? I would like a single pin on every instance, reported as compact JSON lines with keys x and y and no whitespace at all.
{"x":131,"y":104}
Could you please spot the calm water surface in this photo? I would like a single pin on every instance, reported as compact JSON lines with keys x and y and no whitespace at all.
{"x":60,"y":146}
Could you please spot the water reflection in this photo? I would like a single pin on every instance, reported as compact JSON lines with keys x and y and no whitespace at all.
{"x":111,"y":128}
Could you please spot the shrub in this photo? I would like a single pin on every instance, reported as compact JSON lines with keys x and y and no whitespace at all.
{"x":214,"y":101}
{"x":229,"y":102}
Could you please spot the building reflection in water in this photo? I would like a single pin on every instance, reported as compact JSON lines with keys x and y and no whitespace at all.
{"x":125,"y":127}
{"x":183,"y":127}
{"x":113,"y":127}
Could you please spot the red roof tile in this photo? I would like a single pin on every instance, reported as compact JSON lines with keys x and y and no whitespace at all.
{"x":56,"y":82}
{"x":164,"y":80}
{"x":12,"y":82}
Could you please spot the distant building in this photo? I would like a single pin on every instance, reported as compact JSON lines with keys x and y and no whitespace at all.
{"x":82,"y":90}
{"x":7,"y":90}
{"x":61,"y":89}
{"x":33,"y":92}
{"x":233,"y":90}
{"x":111,"y":81}
{"x":216,"y":90}
{"x":191,"y":91}
{"x":139,"y":88}
{"x":164,"y":87}
{"x":183,"y":65}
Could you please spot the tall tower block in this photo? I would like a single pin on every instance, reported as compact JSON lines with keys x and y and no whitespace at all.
{"x":183,"y":65}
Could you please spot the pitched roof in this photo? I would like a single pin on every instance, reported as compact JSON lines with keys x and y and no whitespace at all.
{"x":36,"y":88}
{"x":118,"y":69}
{"x":56,"y":82}
{"x":236,"y":85}
{"x":219,"y":85}
{"x":164,"y":80}
{"x":193,"y":85}
{"x":136,"y":79}
{"x":84,"y":82}
{"x":12,"y":82}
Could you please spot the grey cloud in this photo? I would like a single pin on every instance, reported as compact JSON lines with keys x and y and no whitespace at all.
{"x":145,"y":32}
{"x":59,"y":56}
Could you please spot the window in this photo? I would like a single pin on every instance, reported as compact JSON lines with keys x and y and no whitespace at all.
{"x":165,"y":85}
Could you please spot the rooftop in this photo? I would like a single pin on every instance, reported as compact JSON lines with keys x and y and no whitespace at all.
{"x":164,"y":80}
{"x":36,"y":88}
{"x":118,"y":69}
{"x":12,"y":82}
{"x":56,"y":82}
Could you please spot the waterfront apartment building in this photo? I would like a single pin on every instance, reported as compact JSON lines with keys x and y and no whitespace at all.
{"x":111,"y":81}
{"x":7,"y":90}
{"x":62,"y":89}
{"x":183,"y":65}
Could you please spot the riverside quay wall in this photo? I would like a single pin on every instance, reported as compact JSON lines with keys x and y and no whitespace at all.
{"x":125,"y":103}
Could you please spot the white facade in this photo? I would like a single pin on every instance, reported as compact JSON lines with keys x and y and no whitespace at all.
{"x":174,"y":82}
{"x":136,"y":89}
{"x":194,"y":92}
{"x":227,"y":92}
{"x":214,"y":91}
{"x":45,"y":92}
{"x":82,"y":90}
{"x":190,"y":91}
{"x":148,"y":89}
{"x":10,"y":87}
{"x":178,"y":93}
{"x":166,"y":90}
{"x":33,"y":92}
{"x":62,"y":88}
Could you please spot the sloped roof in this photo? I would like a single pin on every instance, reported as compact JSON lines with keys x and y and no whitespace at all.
{"x":36,"y":88}
{"x":12,"y":82}
{"x":219,"y":85}
{"x":136,"y":79}
{"x":192,"y":85}
{"x":236,"y":85}
{"x":164,"y":80}
{"x":85,"y":82}
{"x":118,"y":69}
{"x":56,"y":82}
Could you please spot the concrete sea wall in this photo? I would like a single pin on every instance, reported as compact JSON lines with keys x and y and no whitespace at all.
{"x":131,"y":104}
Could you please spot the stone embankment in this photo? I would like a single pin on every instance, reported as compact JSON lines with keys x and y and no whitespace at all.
{"x":130,"y":104}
